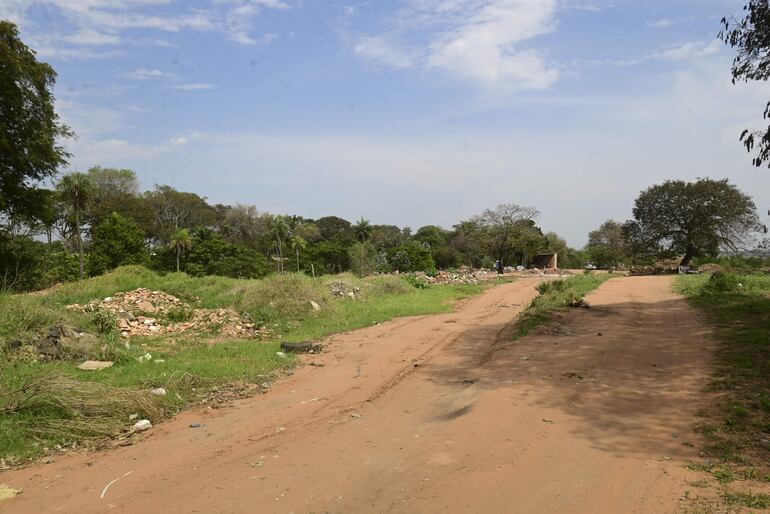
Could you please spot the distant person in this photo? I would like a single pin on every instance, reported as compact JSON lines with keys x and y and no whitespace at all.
{"x":499,"y":266}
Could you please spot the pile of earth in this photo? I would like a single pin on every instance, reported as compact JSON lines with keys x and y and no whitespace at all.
{"x":59,"y":343}
{"x":143,"y":312}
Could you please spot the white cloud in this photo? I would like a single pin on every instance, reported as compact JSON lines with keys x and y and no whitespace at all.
{"x":92,"y":37}
{"x":239,"y":19}
{"x":193,"y":87}
{"x":481,"y":41}
{"x":103,"y":22}
{"x":663,"y":23}
{"x":147,"y":73}
{"x":382,"y":51}
{"x":690,"y":50}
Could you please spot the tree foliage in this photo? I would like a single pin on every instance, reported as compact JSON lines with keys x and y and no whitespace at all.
{"x":116,"y":241}
{"x":30,"y":131}
{"x":692,"y":219}
{"x":607,"y":246}
{"x":750,"y":36}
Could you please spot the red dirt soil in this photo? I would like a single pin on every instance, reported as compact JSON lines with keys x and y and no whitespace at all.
{"x":433,"y":414}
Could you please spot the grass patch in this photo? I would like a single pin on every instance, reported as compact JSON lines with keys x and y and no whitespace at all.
{"x":747,"y":499}
{"x":555,"y":296}
{"x":187,"y":365}
{"x":736,"y":428}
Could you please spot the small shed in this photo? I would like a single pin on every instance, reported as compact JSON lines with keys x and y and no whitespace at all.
{"x":545,"y":261}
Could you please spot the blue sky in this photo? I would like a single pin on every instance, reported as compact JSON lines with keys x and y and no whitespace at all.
{"x":408,"y":112}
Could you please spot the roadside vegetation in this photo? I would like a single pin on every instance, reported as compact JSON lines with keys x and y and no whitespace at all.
{"x":45,"y":402}
{"x":557,"y":296}
{"x":736,"y":427}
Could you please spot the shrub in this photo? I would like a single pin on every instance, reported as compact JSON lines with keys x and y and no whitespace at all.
{"x":104,"y":321}
{"x":724,"y":282}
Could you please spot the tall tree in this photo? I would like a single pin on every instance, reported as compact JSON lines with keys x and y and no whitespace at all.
{"x":507,"y":228}
{"x":750,"y":36}
{"x":607,"y":246}
{"x":76,"y":190}
{"x":298,"y":244}
{"x":181,"y":241}
{"x":30,"y":131}
{"x":692,"y":219}
{"x":362,"y":230}
{"x":280,"y":232}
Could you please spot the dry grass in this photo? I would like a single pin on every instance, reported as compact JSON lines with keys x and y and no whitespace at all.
{"x":83,"y":409}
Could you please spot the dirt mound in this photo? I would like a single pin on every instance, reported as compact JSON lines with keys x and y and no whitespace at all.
{"x":143,"y":312}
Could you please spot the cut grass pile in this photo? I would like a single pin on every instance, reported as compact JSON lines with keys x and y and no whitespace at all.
{"x":736,"y":426}
{"x":556,"y":296}
{"x":187,"y":365}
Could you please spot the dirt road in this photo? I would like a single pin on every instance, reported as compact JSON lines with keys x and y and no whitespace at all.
{"x":433,"y":414}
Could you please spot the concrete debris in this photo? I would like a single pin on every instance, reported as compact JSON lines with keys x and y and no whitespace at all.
{"x":315,"y":306}
{"x":142,"y":425}
{"x":466,"y":275}
{"x":143,"y":312}
{"x":158,"y":391}
{"x":281,"y":355}
{"x":95,"y":365}
{"x":343,"y":289}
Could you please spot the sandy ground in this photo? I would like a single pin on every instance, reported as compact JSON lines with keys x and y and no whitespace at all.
{"x":433,"y":414}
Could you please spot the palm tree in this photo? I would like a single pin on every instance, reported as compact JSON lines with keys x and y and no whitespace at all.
{"x":280,"y":232}
{"x":298,"y":244}
{"x":362,"y":229}
{"x":76,"y":190}
{"x":181,"y":241}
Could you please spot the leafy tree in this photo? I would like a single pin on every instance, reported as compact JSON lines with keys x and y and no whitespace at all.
{"x":362,"y":230}
{"x":117,"y":190}
{"x":607,"y":246}
{"x":437,"y":240}
{"x":384,"y":237}
{"x":180,"y":242}
{"x":76,"y":190}
{"x":174,"y":209}
{"x":750,"y":36}
{"x":334,"y":228}
{"x":246,"y":226}
{"x":211,"y":254}
{"x":329,"y":256}
{"x":116,"y":241}
{"x":363,"y":258}
{"x":508,"y":231}
{"x":692,"y":219}
{"x":298,"y":244}
{"x":412,"y":256}
{"x":280,"y":231}
{"x":30,"y":130}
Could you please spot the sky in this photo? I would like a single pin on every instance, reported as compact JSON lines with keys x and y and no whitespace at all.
{"x":405,"y":112}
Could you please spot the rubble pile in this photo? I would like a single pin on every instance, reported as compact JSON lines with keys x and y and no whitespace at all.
{"x":143,"y":312}
{"x":343,"y":289}
{"x":544,"y":272}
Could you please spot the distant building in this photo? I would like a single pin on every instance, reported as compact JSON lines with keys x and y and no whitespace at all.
{"x":545,"y":261}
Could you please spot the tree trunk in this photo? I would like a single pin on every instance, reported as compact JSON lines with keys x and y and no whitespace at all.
{"x":80,"y":241}
{"x":687,"y":257}
{"x":177,"y":257}
{"x":297,"y":260}
{"x":280,"y":258}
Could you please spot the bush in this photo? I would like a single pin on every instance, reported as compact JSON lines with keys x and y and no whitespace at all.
{"x":724,"y":282}
{"x":416,"y":282}
{"x":104,"y":321}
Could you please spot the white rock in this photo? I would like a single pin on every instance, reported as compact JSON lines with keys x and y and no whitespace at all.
{"x":132,"y":417}
{"x":352,"y":295}
{"x":159,"y":391}
{"x":142,"y":425}
{"x":281,"y":355}
{"x":315,"y":306}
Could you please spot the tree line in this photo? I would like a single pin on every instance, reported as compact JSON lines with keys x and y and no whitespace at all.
{"x":91,"y":222}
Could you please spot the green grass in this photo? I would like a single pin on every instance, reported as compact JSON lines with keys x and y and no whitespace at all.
{"x":193,"y":364}
{"x":736,"y":428}
{"x":747,"y":499}
{"x":555,"y":296}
